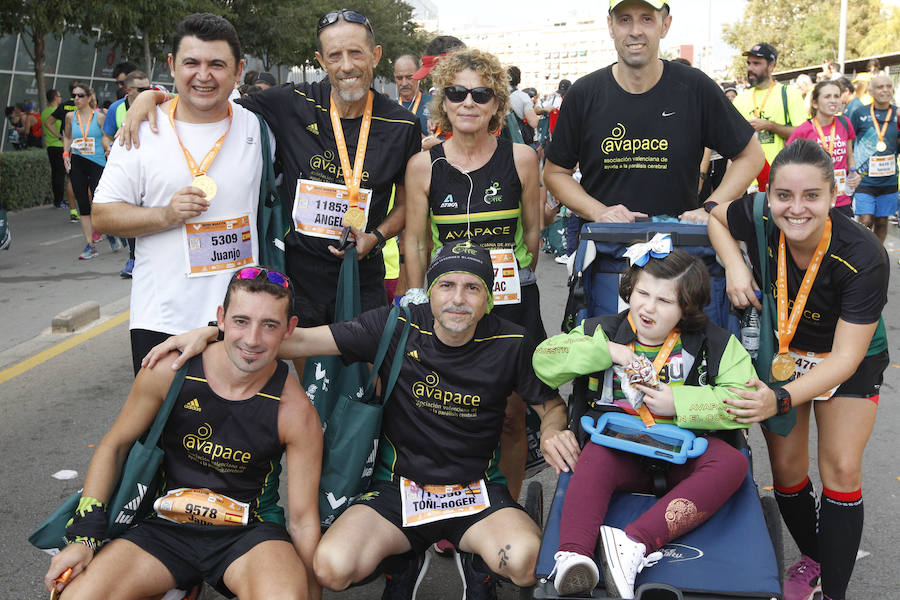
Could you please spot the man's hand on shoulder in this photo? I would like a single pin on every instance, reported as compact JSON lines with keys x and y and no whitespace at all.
{"x":142,"y":109}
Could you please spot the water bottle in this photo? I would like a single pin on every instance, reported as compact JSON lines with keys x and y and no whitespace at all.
{"x":750,"y":329}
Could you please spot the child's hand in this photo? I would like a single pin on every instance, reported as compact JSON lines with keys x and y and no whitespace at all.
{"x":661,"y":402}
{"x":620,"y":354}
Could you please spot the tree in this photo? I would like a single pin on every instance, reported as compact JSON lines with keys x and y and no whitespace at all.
{"x":805,"y":32}
{"x":141,"y":27}
{"x":34,"y":20}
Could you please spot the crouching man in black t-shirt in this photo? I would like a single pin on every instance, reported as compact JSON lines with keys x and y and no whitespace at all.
{"x":218,"y":519}
{"x":436,"y":476}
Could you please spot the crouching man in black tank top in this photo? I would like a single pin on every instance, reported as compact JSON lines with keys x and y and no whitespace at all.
{"x":237,"y":413}
{"x":436,"y":474}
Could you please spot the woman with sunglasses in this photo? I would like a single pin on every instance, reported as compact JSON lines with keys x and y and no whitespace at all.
{"x":84,"y":156}
{"x":831,"y":278}
{"x":479,"y":186}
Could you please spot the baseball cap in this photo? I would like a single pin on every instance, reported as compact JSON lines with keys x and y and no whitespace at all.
{"x":564,"y":86}
{"x":428,"y":63}
{"x":266,"y":78}
{"x":657,"y":4}
{"x":763,"y":50}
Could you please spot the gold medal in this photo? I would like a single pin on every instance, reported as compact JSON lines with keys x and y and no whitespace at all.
{"x":782,"y":367}
{"x":881,"y":146}
{"x":355,"y":217}
{"x":205,"y":184}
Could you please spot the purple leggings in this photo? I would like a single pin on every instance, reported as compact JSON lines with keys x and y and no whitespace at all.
{"x":696,"y":491}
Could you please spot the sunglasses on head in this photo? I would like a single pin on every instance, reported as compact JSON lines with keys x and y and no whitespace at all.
{"x":458,"y":93}
{"x":260,"y":273}
{"x":79,"y":95}
{"x":351,"y":16}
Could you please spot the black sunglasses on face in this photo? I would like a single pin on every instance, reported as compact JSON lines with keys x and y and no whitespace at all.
{"x":120,"y":82}
{"x":351,"y":16}
{"x":79,"y":95}
{"x":143,"y":89}
{"x":458,"y":93}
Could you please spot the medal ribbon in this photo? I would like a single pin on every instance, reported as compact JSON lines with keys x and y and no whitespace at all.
{"x":787,"y":327}
{"x":757,"y":109}
{"x":880,"y":129}
{"x":352,"y":176}
{"x":415,"y":103}
{"x":821,"y":135}
{"x":84,"y":132}
{"x":658,"y":363}
{"x":197,"y":171}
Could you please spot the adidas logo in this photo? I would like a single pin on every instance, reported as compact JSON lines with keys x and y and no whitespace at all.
{"x":449,"y":202}
{"x":313,"y":129}
{"x":414,"y":354}
{"x":193,"y":405}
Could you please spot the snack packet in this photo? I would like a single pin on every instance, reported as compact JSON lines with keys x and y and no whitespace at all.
{"x":640,"y":370}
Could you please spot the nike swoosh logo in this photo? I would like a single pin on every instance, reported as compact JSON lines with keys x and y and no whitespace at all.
{"x":668,"y":114}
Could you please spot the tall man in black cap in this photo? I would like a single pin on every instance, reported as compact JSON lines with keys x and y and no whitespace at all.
{"x":772,"y":108}
{"x":638,"y":129}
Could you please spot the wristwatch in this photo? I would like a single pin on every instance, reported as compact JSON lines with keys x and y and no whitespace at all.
{"x":782,"y":401}
{"x":381,"y":240}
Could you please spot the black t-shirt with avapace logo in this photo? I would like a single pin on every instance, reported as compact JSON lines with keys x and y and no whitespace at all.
{"x":644,"y":150}
{"x":298,"y":115}
{"x":443,"y":420}
{"x":851,"y":283}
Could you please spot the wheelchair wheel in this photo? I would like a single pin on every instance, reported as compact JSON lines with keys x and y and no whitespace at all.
{"x":776,"y":533}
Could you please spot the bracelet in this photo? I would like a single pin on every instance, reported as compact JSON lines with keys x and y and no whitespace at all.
{"x":219,"y":336}
{"x":704,"y":176}
{"x":92,"y":543}
{"x":67,"y":154}
{"x":709,"y":205}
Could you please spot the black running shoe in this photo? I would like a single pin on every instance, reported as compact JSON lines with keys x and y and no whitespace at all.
{"x":479,"y":582}
{"x":403,"y":584}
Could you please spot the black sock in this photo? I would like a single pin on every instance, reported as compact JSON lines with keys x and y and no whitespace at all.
{"x":800,"y":511}
{"x":840,"y":529}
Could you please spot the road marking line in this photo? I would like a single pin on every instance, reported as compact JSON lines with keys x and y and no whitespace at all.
{"x":71,"y":237}
{"x":44,"y":356}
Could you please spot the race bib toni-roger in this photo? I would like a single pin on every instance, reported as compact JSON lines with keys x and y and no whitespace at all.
{"x":211,"y":247}
{"x":319,"y":208}
{"x":428,"y":503}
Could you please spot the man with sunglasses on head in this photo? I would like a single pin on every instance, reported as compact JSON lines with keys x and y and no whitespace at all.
{"x":342,"y":148}
{"x":190,"y":193}
{"x":216,"y":517}
{"x":134,"y":83}
{"x":637,"y":130}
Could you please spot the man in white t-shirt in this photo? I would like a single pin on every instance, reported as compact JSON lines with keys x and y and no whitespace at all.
{"x":190,"y":193}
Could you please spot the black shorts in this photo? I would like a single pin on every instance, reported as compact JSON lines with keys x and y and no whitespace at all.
{"x":196,"y":553}
{"x":526,"y":313}
{"x":384,"y":498}
{"x":866,"y":381}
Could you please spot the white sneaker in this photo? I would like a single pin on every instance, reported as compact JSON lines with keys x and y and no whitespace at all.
{"x":561,"y":259}
{"x":575,"y":573}
{"x":622,"y":559}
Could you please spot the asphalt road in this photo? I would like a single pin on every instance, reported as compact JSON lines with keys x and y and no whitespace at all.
{"x":60,"y":393}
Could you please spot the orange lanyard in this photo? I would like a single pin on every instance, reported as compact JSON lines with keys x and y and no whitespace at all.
{"x":821,"y":133}
{"x":880,"y":129}
{"x":757,"y":110}
{"x":787,"y":327}
{"x":658,"y":363}
{"x":84,"y":132}
{"x":211,"y":155}
{"x":415,"y":104}
{"x":352,"y":176}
